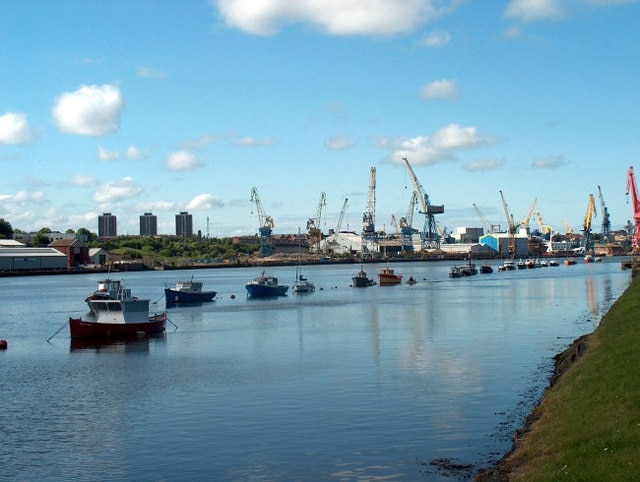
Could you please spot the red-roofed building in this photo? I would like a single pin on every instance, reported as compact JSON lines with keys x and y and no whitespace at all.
{"x":76,"y":251}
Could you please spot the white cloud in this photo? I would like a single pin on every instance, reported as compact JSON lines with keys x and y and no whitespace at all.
{"x":437,"y":147}
{"x":531,"y":10}
{"x":82,"y":180}
{"x":339,"y":143}
{"x":455,"y":137}
{"x":336,"y":17}
{"x":248,"y":141}
{"x":135,"y":154}
{"x":484,"y":165}
{"x":89,"y":111}
{"x":182,"y":161}
{"x":158,"y":206}
{"x":25,"y":196}
{"x":200,"y":141}
{"x":551,"y":162}
{"x":440,"y":89}
{"x":14,"y":129}
{"x":115,"y":191}
{"x":205,"y":201}
{"x":150,"y":72}
{"x":105,"y":155}
{"x":438,"y":38}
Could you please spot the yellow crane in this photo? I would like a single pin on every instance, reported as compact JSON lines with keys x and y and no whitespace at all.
{"x":586,"y":226}
{"x":511,"y":227}
{"x":567,"y":227}
{"x":525,"y":221}
{"x":544,"y":228}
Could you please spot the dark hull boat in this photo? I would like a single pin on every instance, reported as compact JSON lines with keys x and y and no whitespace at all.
{"x":187,"y":292}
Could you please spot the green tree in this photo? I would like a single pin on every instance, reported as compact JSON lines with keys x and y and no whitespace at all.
{"x":6,"y":231}
{"x":42,"y":237}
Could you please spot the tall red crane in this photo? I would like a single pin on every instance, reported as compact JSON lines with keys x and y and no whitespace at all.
{"x":635,"y":202}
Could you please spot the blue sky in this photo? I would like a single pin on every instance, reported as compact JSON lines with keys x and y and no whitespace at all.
{"x":165,"y":106}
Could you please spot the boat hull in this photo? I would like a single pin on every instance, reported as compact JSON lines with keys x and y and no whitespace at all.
{"x":177,"y":296}
{"x":80,"y":328}
{"x":262,"y":291}
{"x":389,"y":280}
{"x":361,"y":282}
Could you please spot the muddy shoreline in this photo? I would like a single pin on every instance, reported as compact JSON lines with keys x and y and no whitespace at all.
{"x":562,"y":362}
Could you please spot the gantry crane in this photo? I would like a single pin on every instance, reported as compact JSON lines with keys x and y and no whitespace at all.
{"x":511,"y":227}
{"x":406,"y":226}
{"x":430,"y":239}
{"x":586,"y":225}
{"x":313,"y":226}
{"x":369,"y":235}
{"x":265,"y":227}
{"x":606,"y":222}
{"x":635,"y":205}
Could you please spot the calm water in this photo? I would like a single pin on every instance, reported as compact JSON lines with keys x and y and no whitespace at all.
{"x":341,"y":384}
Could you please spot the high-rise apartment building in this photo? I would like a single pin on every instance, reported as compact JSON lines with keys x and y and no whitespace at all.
{"x":107,"y":226}
{"x":184,"y":224}
{"x":148,"y":225}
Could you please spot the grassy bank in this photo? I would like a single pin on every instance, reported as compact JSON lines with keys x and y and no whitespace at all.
{"x":588,"y":424}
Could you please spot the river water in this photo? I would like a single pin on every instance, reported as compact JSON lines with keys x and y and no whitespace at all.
{"x":422,"y":382}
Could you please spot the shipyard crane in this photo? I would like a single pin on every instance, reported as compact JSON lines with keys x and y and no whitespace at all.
{"x":332,"y":241}
{"x":586,"y":225}
{"x":544,"y":228}
{"x":485,"y":221}
{"x":606,"y":222}
{"x":394,"y":224}
{"x":406,"y":225}
{"x":635,"y":205}
{"x":430,"y":239}
{"x":567,"y":227}
{"x":265,"y":227}
{"x":511,"y":227}
{"x":313,"y":226}
{"x":525,"y":221}
{"x":369,"y":236}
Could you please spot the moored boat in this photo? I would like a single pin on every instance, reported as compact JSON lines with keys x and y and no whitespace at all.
{"x":119,"y":315}
{"x":388,"y":277}
{"x":485,"y":268}
{"x":507,"y":265}
{"x":265,"y":286}
{"x":455,"y":272}
{"x":361,"y":280}
{"x":303,"y":285}
{"x":187,"y":292}
{"x":569,"y":261}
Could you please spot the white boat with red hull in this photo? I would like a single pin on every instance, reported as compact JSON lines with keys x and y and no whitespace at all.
{"x":116,"y":316}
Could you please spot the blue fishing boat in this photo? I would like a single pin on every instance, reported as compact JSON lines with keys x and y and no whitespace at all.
{"x":187,"y":292}
{"x":265,"y":286}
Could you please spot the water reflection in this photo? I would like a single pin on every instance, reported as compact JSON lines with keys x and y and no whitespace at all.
{"x":136,"y":344}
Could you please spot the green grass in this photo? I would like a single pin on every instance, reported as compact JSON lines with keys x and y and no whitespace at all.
{"x":588,"y":425}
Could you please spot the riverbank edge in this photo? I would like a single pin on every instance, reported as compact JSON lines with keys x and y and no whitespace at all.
{"x":563,"y":361}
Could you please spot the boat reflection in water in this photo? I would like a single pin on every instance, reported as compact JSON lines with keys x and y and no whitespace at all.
{"x":131,"y":344}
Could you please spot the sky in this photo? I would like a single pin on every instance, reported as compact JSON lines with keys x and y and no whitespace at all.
{"x":166,"y":106}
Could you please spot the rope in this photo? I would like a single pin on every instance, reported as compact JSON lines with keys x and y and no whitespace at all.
{"x":59,"y":330}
